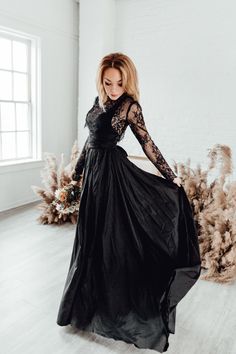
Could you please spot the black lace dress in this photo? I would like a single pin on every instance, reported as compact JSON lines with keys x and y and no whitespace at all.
{"x":135,"y":252}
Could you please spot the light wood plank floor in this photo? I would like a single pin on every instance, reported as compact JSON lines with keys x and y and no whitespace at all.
{"x":34,"y":261}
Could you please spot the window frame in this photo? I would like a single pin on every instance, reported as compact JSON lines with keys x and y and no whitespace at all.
{"x":34,"y":97}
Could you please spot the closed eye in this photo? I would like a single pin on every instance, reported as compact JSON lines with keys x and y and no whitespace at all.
{"x":108,"y":84}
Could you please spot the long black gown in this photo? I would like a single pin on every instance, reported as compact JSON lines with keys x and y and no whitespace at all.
{"x":136,"y":251}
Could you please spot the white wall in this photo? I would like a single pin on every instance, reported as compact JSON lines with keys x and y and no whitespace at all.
{"x":97,"y":30}
{"x":56,"y":22}
{"x":185,"y":53}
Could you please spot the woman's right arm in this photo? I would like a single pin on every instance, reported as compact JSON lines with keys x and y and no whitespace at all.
{"x":79,"y":167}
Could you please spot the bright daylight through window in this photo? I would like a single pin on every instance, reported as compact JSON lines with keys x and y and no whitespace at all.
{"x":16,"y":116}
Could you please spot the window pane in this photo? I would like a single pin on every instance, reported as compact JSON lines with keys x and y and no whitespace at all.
{"x":7,"y":116}
{"x":19,"y":56}
{"x":22,"y":121}
{"x":8,"y":145}
{"x":5,"y":50}
{"x":20,"y":87}
{"x":23,"y":144}
{"x":5,"y":85}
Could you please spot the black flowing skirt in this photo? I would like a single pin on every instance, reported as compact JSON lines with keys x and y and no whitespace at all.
{"x":135,"y":253}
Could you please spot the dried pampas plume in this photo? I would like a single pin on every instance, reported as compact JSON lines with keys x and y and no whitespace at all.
{"x":214,"y":210}
{"x":53,"y":178}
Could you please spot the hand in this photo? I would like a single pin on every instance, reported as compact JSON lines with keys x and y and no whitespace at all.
{"x":177,"y":180}
{"x":75,"y":183}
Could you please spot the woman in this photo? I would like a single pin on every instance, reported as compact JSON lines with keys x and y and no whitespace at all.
{"x":136,"y":252}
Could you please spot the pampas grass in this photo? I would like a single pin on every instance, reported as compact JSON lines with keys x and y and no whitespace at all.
{"x":54,"y":177}
{"x":214,"y":210}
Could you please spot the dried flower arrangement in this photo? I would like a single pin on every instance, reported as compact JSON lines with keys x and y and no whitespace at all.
{"x":61,"y":196}
{"x":214,"y":210}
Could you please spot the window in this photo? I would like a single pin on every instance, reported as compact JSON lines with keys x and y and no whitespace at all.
{"x":19,"y":98}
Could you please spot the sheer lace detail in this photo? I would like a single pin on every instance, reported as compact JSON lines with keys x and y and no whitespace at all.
{"x":94,"y":111}
{"x":78,"y":170}
{"x":129,"y":112}
{"x":119,"y":122}
{"x":136,"y":122}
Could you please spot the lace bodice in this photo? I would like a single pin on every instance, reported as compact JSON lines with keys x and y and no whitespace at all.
{"x":128,"y":112}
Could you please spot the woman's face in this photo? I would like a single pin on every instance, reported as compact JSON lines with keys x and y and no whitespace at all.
{"x":112,"y":83}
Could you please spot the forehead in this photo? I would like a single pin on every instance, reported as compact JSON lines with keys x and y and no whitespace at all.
{"x":112,"y":74}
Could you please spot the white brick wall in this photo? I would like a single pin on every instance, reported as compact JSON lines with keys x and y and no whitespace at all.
{"x":185,"y":52}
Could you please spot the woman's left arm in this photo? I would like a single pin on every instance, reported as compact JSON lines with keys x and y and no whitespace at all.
{"x":136,"y":121}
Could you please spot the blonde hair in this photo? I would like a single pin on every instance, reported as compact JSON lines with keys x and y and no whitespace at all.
{"x":128,"y":73}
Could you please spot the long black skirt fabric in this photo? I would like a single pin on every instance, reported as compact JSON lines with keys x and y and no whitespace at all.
{"x":135,"y":253}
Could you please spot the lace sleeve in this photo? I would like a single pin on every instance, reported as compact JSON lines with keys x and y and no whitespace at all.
{"x":136,"y":122}
{"x":77,"y":173}
{"x":79,"y":167}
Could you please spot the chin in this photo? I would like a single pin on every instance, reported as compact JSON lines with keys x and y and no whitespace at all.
{"x":115,"y":97}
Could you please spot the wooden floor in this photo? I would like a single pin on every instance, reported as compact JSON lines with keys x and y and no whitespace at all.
{"x":34,"y":261}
